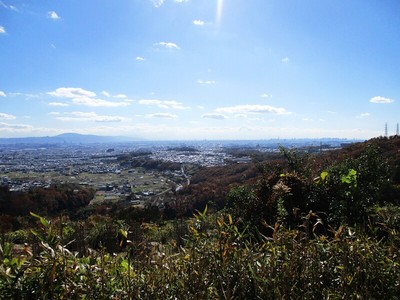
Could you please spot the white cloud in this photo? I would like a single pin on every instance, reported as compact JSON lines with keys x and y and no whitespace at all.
{"x":206,"y":81}
{"x":380,"y":99}
{"x":285,"y":60}
{"x":71,"y":93}
{"x":150,"y":102}
{"x":168,"y":45}
{"x":168,"y":104}
{"x":11,"y":7}
{"x":363,"y":115}
{"x":14,"y":94}
{"x":58,"y":104}
{"x":265,"y":95}
{"x":214,"y":116}
{"x":240,"y":116}
{"x":83,"y":97}
{"x":86,"y":101}
{"x":2,"y":30}
{"x":4,"y":116}
{"x":2,"y":94}
{"x":54,"y":113}
{"x":90,"y":116}
{"x":53,"y":15}
{"x":252,"y":109}
{"x":105,"y":93}
{"x":163,"y":116}
{"x":140,"y":58}
{"x":121,"y":96}
{"x":157,"y":3}
{"x":11,"y":127}
{"x":198,"y":22}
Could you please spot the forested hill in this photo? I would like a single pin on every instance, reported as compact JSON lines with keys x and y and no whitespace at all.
{"x":389,"y":146}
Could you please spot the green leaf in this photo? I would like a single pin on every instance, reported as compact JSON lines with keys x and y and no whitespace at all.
{"x":205,"y":211}
{"x":230,"y":219}
{"x":124,"y":233}
{"x":42,"y":220}
{"x":37,"y":235}
{"x":324,"y":175}
{"x":124,"y":264}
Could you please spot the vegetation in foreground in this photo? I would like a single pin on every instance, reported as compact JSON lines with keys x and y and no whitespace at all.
{"x":310,"y":228}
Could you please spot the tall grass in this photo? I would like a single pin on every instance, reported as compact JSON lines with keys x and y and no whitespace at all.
{"x":217,"y":261}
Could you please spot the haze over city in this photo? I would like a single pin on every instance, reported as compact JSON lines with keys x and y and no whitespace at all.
{"x":200,"y":69}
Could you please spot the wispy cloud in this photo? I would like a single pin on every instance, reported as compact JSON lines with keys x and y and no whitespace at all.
{"x":10,"y":7}
{"x":215,"y":116}
{"x":285,"y":60}
{"x":81,"y":96}
{"x":240,"y":116}
{"x":61,"y":104}
{"x":140,"y":58}
{"x":2,"y":30}
{"x":71,"y":93}
{"x":105,"y":93}
{"x":12,"y":127}
{"x":198,"y":22}
{"x":265,"y":95}
{"x":162,"y":116}
{"x":53,"y":15}
{"x":206,"y":81}
{"x":363,"y":115}
{"x":157,"y":3}
{"x":261,"y":109}
{"x":162,"y":103}
{"x":14,"y":94}
{"x":4,"y":116}
{"x":90,"y":116}
{"x":86,"y":101}
{"x":2,"y":94}
{"x":117,"y":96}
{"x":381,"y":100}
{"x":167,"y":45}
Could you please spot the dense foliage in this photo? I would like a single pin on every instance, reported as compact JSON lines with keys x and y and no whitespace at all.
{"x":217,"y":261}
{"x":46,"y":201}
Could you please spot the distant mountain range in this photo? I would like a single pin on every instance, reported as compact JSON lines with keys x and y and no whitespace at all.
{"x":68,"y":138}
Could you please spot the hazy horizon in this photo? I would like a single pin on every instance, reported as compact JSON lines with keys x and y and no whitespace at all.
{"x":200,"y":69}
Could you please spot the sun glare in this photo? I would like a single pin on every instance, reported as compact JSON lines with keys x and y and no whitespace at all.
{"x":220,"y":4}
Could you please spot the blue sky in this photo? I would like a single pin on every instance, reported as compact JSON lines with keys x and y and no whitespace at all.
{"x":200,"y":69}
